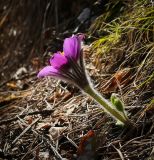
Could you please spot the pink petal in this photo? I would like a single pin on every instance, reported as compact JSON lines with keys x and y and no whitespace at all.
{"x":58,"y":60}
{"x":47,"y":71}
{"x":72,"y":47}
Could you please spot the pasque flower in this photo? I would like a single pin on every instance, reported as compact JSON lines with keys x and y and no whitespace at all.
{"x":69,"y":66}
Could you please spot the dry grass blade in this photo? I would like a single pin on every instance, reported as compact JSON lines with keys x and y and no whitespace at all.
{"x":25,"y":130}
{"x":119,"y":152}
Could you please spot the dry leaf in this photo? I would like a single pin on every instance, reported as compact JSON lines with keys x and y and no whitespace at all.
{"x":86,"y":150}
{"x":121,"y":77}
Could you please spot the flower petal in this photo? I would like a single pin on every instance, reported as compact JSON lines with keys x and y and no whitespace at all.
{"x":47,"y":71}
{"x":58,"y":60}
{"x":72,"y":47}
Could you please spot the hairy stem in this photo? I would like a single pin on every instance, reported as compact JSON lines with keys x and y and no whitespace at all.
{"x":106,"y":105}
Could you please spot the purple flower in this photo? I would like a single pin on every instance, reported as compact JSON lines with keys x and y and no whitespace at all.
{"x":58,"y":60}
{"x":67,"y":65}
{"x":72,"y":47}
{"x":47,"y":71}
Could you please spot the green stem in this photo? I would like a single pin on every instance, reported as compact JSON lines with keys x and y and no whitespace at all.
{"x":106,"y":105}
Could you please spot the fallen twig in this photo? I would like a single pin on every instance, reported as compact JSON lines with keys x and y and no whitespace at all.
{"x":22,"y":133}
{"x":46,"y":112}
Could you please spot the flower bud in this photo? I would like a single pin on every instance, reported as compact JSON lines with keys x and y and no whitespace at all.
{"x":117,"y":103}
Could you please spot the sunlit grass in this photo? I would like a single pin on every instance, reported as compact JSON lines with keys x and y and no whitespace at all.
{"x":131,"y":35}
{"x":137,"y":23}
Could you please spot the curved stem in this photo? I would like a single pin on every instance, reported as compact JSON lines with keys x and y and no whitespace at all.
{"x":106,"y":105}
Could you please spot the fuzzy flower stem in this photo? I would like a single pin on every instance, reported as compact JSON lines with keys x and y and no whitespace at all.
{"x":106,"y":105}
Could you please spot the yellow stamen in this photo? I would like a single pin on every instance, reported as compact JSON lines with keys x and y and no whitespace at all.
{"x":62,"y":53}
